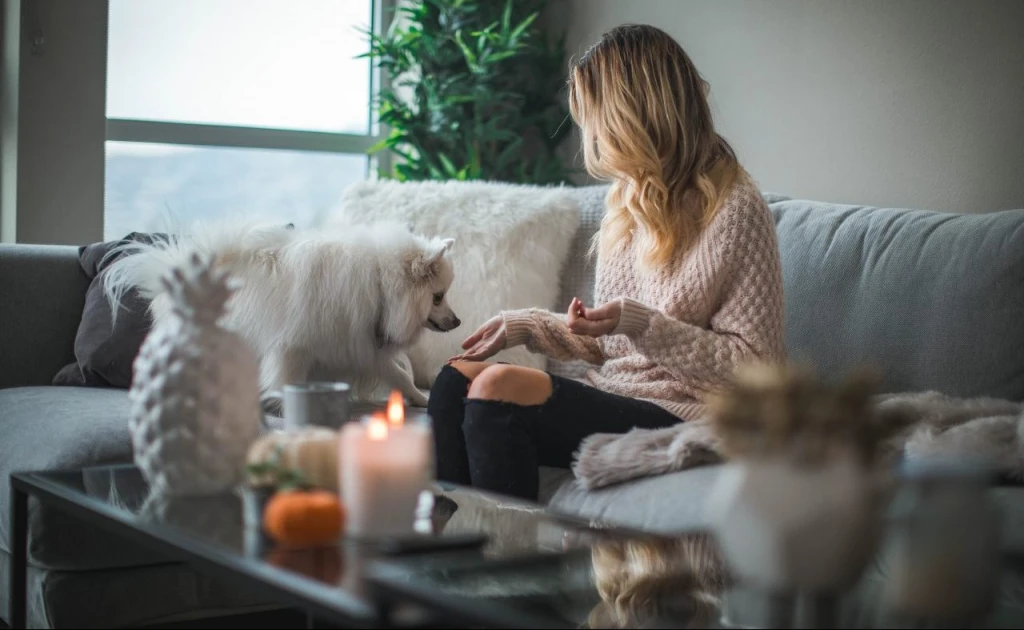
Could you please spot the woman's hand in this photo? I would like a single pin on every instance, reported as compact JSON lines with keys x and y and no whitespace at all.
{"x":487,"y":341}
{"x":595,"y":322}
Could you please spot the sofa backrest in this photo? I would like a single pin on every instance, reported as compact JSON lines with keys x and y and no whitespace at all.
{"x":42,"y":292}
{"x":934,"y":301}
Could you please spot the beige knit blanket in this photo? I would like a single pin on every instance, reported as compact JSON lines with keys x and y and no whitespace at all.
{"x":925,"y":424}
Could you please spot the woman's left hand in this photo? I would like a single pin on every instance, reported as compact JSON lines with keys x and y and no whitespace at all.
{"x":595,"y":322}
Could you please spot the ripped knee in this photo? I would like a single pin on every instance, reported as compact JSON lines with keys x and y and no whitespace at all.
{"x":470,"y":369}
{"x":513,"y":384}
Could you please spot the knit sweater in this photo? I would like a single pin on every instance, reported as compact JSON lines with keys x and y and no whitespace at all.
{"x":685,"y":327}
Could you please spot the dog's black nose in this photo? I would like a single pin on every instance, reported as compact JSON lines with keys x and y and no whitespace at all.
{"x":456,"y":322}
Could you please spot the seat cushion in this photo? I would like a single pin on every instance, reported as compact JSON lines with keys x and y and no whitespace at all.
{"x":662,"y":504}
{"x":46,"y":428}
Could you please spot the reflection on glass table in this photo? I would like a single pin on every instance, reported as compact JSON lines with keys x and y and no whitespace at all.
{"x":487,"y":561}
{"x":632,"y":582}
{"x":225,"y":530}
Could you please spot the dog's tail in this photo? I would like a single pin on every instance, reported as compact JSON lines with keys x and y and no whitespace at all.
{"x":140,"y":266}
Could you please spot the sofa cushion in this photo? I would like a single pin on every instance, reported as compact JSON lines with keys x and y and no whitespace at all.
{"x":935,"y":301}
{"x":511,"y":243}
{"x":661,"y":504}
{"x":46,"y":428}
{"x":105,"y":348}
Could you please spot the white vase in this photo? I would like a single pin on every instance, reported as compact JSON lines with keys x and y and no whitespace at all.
{"x":195,"y":391}
{"x":785,"y":528}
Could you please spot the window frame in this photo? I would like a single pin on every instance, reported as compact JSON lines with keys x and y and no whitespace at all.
{"x":55,"y":125}
{"x":232,"y":136}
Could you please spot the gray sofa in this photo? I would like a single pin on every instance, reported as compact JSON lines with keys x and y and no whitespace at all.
{"x":935,"y":300}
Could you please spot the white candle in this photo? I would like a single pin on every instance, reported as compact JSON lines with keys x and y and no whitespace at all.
{"x":384,"y":464}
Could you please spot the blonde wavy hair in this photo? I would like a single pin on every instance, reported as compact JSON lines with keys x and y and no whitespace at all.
{"x":646,"y":123}
{"x":658,"y":582}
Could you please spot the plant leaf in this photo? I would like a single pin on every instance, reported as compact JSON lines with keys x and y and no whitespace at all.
{"x":518,"y":31}
{"x":506,"y":18}
{"x":449,"y":167}
{"x":490,"y":107}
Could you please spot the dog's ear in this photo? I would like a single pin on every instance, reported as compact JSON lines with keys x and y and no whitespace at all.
{"x":424,"y":264}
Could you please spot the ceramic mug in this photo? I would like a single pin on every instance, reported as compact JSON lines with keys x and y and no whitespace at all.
{"x":318,"y":403}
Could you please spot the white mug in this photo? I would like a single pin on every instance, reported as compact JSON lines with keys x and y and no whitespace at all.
{"x":318,"y":403}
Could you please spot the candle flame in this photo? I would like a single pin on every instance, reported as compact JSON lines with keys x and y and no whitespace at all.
{"x":396,"y":409}
{"x":377,"y":429}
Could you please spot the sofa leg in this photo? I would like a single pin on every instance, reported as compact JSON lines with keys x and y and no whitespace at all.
{"x":19,"y":553}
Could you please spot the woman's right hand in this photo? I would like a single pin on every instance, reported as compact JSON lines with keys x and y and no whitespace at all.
{"x":487,"y":341}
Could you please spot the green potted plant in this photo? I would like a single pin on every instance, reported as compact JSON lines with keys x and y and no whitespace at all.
{"x":474,"y":91}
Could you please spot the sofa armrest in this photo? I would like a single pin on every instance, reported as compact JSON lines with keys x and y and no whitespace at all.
{"x":42,"y":293}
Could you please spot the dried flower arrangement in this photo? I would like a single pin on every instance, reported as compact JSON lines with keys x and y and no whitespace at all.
{"x":786,"y":410}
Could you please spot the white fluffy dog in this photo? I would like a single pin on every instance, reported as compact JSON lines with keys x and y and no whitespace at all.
{"x":343,"y":303}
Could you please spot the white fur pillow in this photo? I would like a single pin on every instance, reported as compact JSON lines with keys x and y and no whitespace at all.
{"x":511,"y":242}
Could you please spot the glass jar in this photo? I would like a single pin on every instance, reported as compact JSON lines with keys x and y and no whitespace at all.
{"x":943,"y":542}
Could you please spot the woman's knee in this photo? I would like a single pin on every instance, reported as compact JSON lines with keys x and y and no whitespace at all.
{"x":470,"y":369}
{"x":511,"y":383}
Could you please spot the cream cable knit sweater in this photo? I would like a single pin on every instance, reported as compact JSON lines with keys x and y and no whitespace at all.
{"x":686,"y":327}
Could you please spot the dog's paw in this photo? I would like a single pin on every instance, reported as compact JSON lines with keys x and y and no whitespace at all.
{"x":417,"y":398}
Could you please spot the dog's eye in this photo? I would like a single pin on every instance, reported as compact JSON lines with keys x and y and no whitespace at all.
{"x":438,"y":298}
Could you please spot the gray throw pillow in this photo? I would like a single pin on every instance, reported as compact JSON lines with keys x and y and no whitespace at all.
{"x":104,"y":351}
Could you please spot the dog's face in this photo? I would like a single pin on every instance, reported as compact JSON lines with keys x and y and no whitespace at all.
{"x":434,"y":275}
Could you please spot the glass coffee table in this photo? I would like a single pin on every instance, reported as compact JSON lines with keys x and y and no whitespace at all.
{"x":487,"y":561}
{"x":640,"y":581}
{"x":677,"y":581}
{"x":221,"y":535}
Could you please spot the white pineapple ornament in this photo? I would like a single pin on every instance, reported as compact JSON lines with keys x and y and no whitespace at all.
{"x":195,"y":393}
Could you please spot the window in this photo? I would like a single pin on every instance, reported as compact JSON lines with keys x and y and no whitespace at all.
{"x":234,"y":107}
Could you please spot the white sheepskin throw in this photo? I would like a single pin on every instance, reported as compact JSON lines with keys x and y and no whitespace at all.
{"x":511,"y":242}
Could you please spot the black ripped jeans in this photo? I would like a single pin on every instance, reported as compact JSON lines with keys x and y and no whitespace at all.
{"x":498,"y":446}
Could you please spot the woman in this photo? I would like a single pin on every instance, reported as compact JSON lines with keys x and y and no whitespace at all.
{"x":688,"y":282}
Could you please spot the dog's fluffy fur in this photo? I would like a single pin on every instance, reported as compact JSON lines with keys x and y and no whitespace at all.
{"x":342,"y":303}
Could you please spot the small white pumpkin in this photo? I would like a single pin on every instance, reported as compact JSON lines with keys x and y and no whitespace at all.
{"x":312,"y":452}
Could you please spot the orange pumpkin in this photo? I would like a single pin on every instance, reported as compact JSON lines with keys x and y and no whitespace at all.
{"x":301,"y":518}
